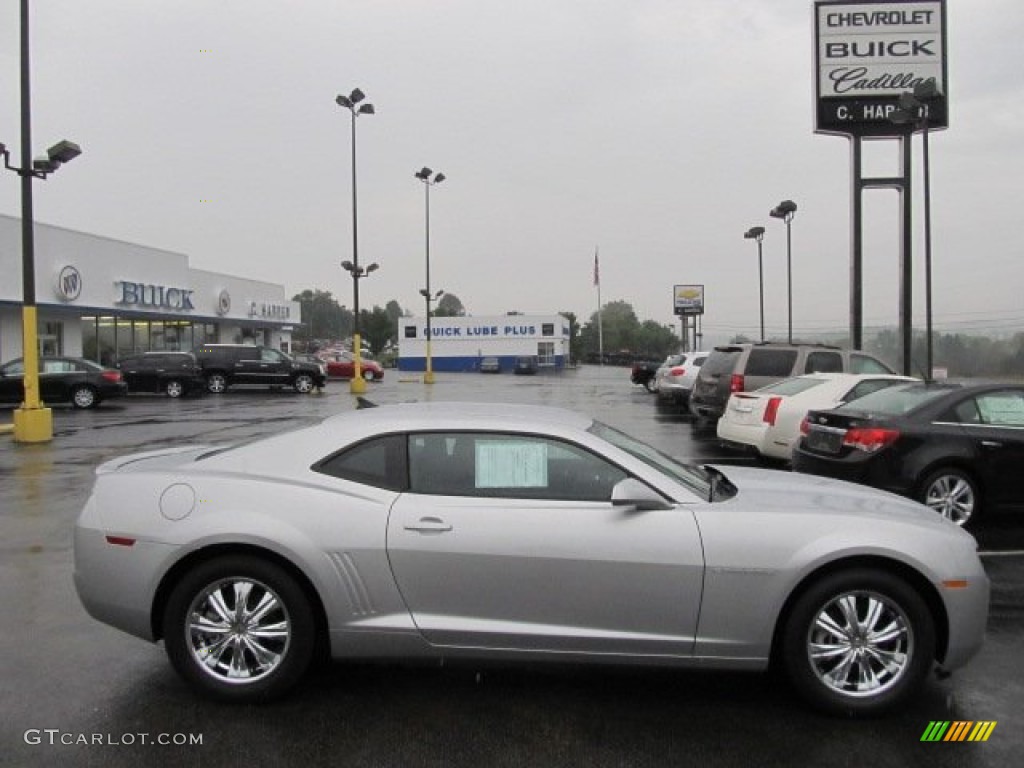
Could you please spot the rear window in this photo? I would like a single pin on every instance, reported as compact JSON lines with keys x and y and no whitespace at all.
{"x":777,"y":363}
{"x":895,"y":401}
{"x":720,"y":361}
{"x":824,"y":362}
{"x":791,"y":386}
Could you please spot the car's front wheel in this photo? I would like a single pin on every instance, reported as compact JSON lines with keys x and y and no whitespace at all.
{"x":858,"y":642}
{"x":368,"y":374}
{"x":952,"y":493}
{"x":84,"y":396}
{"x":174,"y":388}
{"x":303,"y":384}
{"x":239,"y":629}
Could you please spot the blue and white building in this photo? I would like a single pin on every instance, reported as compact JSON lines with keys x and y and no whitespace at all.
{"x":461,"y":343}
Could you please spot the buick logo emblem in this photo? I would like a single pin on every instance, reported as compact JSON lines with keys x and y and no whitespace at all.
{"x":69,"y":284}
{"x":223,"y":303}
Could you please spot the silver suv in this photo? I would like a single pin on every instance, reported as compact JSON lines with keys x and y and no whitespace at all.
{"x":744,"y":367}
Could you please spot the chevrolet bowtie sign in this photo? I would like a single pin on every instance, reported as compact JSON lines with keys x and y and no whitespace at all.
{"x":867,"y":53}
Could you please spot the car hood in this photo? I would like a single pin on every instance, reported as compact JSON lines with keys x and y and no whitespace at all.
{"x":794,"y":492}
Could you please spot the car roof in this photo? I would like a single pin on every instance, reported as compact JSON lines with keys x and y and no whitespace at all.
{"x":460,"y":416}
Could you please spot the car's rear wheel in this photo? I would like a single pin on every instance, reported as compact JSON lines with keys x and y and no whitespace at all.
{"x":303,"y":383}
{"x":239,"y":629}
{"x":216,"y":383}
{"x":952,"y":493}
{"x":84,"y":396}
{"x":650,"y":385}
{"x":174,"y":388}
{"x":858,"y":642}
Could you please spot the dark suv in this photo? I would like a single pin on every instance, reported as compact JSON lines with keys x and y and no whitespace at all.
{"x":229,"y":365}
{"x":744,"y":367}
{"x":173,"y":373}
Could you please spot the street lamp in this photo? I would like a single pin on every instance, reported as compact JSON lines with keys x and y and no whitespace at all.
{"x":785,"y":211}
{"x":429,"y":179}
{"x":757,"y":233}
{"x":353,"y":105}
{"x":33,"y":422}
{"x":913,"y":109}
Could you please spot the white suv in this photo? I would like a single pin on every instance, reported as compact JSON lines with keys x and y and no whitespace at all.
{"x":674,"y":380}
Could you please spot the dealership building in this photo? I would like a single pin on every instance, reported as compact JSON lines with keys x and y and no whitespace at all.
{"x":461,"y":343}
{"x":103,"y":299}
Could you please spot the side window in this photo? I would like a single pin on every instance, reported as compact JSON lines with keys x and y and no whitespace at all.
{"x":507,"y":466}
{"x":268,"y":355}
{"x":777,"y":363}
{"x":966,"y":412}
{"x":1004,"y":409}
{"x":824,"y":362}
{"x":865,"y":364}
{"x":867,"y":387}
{"x":379,"y":462}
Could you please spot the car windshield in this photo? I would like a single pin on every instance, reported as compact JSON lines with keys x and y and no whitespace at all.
{"x":696,"y":479}
{"x":791,"y":386}
{"x":895,"y":401}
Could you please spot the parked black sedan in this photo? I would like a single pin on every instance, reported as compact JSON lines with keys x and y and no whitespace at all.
{"x":82,"y":383}
{"x":959,"y":448}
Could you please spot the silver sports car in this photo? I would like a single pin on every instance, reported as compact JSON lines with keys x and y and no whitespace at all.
{"x":517,"y":532}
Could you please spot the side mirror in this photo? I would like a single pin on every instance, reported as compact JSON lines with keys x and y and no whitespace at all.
{"x":632,"y":493}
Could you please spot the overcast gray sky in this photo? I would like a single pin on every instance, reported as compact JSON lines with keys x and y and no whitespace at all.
{"x":658,"y":130}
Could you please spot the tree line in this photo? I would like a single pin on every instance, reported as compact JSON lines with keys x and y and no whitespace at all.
{"x":626,"y":337}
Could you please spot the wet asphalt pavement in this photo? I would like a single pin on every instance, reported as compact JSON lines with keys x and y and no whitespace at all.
{"x":77,"y":693}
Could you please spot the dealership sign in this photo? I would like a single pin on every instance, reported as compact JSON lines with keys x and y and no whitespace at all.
{"x":867,"y":53}
{"x":688,"y":299}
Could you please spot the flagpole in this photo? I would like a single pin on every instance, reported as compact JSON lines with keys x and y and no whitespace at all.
{"x":600,"y":325}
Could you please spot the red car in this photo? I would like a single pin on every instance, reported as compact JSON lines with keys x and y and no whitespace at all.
{"x":341,"y":365}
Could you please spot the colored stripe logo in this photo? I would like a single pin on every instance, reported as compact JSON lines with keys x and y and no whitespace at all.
{"x":958,"y":730}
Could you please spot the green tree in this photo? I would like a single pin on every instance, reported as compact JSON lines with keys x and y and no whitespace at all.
{"x":449,"y":306}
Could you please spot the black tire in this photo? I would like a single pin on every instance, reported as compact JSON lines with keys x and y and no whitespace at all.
{"x":952,"y":493}
{"x":369,"y":375}
{"x":303,"y":384}
{"x":83,"y":396}
{"x":174,"y":388}
{"x":835,"y":681}
{"x":216,"y":383}
{"x":649,"y":385}
{"x":231,"y":672}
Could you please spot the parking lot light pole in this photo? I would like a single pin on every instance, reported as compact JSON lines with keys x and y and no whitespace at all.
{"x":33,"y":421}
{"x":757,"y":233}
{"x":913,"y":110}
{"x":785,"y":211}
{"x":358,"y":384}
{"x":429,"y":179}
{"x":353,"y":105}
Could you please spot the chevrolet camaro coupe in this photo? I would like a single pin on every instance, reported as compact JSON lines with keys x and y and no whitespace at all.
{"x":429,"y":530}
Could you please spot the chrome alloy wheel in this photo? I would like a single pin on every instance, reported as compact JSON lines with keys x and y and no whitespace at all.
{"x":238,"y":630}
{"x":860,"y":644}
{"x":952,"y":496}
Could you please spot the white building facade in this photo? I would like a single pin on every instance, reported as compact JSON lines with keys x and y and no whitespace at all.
{"x":461,"y":343}
{"x":104,"y":299}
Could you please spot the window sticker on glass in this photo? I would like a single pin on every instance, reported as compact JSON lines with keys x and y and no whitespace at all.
{"x":511,"y":464}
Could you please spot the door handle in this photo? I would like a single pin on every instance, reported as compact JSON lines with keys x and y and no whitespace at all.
{"x":991,"y":444}
{"x":429,"y":525}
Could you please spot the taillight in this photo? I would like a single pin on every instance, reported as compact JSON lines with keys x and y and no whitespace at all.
{"x":114,"y":376}
{"x":677,"y":371}
{"x":771,"y":411}
{"x":870,"y":439}
{"x":736,"y":382}
{"x":805,"y":426}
